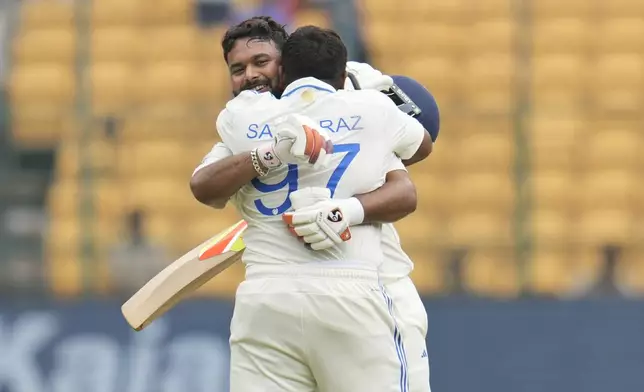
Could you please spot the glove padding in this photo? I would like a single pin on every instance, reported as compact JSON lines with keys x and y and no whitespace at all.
{"x":326,"y":222}
{"x":297,"y":140}
{"x":368,"y":77}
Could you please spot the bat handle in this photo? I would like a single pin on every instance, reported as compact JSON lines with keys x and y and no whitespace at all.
{"x":354,"y":81}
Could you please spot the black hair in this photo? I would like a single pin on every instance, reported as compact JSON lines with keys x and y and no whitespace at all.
{"x":312,"y":51}
{"x":262,"y":28}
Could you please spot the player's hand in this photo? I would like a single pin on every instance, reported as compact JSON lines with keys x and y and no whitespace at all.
{"x":368,"y":77}
{"x":297,"y":140}
{"x":326,"y":222}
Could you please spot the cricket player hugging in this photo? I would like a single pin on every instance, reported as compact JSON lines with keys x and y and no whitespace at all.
{"x":312,"y":314}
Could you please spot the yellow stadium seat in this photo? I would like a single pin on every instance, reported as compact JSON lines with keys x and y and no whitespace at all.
{"x":118,"y":12}
{"x":114,"y":86}
{"x":558,"y":82}
{"x":621,"y":8}
{"x":553,"y":189}
{"x":490,"y":81}
{"x":553,"y":272}
{"x":561,"y":35}
{"x":454,"y":10}
{"x":625,"y":35}
{"x":441,"y":75}
{"x":38,"y":127}
{"x":199,"y":228}
{"x":429,"y":273}
{"x":479,"y":228}
{"x":156,"y":157}
{"x":50,"y":85}
{"x":550,"y":227}
{"x":611,"y":189}
{"x":553,"y":141}
{"x":100,"y":156}
{"x":486,"y":191}
{"x":440,"y":39}
{"x":172,"y":43}
{"x":172,"y":83}
{"x":630,"y":271}
{"x":46,"y":14}
{"x":420,"y":228}
{"x":64,"y":272}
{"x":44,"y":45}
{"x":382,"y":37}
{"x":311,"y":16}
{"x":115,"y":44}
{"x":169,"y":12}
{"x":544,"y":9}
{"x":613,"y":149}
{"x":216,"y":81}
{"x":158,"y":194}
{"x":482,"y":152}
{"x":491,"y":273}
{"x":493,"y":8}
{"x":64,"y":199}
{"x":433,"y":191}
{"x":618,"y":83}
{"x":600,"y":227}
{"x":492,"y":36}
{"x":183,"y":123}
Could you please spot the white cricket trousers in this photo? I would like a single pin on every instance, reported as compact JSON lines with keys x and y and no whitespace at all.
{"x":411,"y":316}
{"x":306,"y":329}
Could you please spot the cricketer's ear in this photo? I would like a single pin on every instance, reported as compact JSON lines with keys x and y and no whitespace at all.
{"x":281,"y":77}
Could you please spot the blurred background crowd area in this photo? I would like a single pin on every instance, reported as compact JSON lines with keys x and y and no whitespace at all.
{"x":534,"y":187}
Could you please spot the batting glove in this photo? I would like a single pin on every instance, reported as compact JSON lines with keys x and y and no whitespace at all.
{"x":368,"y":77}
{"x":325,"y":223}
{"x":297,"y":140}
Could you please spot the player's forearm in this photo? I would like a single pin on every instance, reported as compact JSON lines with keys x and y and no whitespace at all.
{"x":391,"y":202}
{"x":214,"y":184}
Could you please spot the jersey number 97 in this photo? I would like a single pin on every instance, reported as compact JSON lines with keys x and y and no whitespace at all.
{"x":290,"y":181}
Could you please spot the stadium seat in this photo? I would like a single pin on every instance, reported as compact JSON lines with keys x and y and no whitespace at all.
{"x":118,"y":12}
{"x":611,"y":189}
{"x":550,"y":227}
{"x":169,"y":12}
{"x":115,"y":44}
{"x":552,"y":189}
{"x":429,"y":274}
{"x":156,"y":157}
{"x":620,"y":35}
{"x":599,"y":227}
{"x":101,"y":157}
{"x":433,"y":191}
{"x":63,"y":272}
{"x":553,"y":140}
{"x":561,"y":35}
{"x":441,"y":75}
{"x":422,"y":227}
{"x":311,"y":16}
{"x":440,"y":39}
{"x":479,"y":229}
{"x":613,"y":148}
{"x":630,"y":271}
{"x":480,"y":152}
{"x":183,"y":123}
{"x":51,"y":45}
{"x":43,"y":85}
{"x":179,"y":82}
{"x":553,"y":272}
{"x":113,"y":87}
{"x":492,"y":8}
{"x":154,"y":194}
{"x":46,"y":14}
{"x":558,"y":82}
{"x":496,"y":36}
{"x":64,"y":199}
{"x":487,"y":191}
{"x":491,"y":273}
{"x":38,"y":128}
{"x":490,"y":82}
{"x":544,"y":9}
{"x":382,"y":36}
{"x":617,"y":83}
{"x":621,"y":8}
{"x":172,"y":43}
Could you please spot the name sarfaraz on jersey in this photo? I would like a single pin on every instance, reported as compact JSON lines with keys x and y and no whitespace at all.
{"x":340,"y":124}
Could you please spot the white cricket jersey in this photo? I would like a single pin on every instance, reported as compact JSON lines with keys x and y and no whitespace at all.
{"x":369,"y":135}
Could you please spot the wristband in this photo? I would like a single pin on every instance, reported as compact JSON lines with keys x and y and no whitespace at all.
{"x":353,"y":210}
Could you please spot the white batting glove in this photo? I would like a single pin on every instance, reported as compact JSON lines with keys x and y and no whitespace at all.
{"x":298,"y":140}
{"x":368,"y":77}
{"x":325,"y":223}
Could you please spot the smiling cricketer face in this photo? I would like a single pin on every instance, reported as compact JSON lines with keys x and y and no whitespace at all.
{"x":254,"y":64}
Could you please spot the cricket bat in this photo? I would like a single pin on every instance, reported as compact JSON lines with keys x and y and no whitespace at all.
{"x":184,"y":276}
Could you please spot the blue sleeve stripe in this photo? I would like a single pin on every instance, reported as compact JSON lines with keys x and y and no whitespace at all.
{"x":398,"y":342}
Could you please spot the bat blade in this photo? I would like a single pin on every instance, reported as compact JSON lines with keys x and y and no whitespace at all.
{"x":184,"y":276}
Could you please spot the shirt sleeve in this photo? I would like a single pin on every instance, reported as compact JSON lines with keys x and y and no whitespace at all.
{"x":394,"y":164}
{"x":218,"y":152}
{"x":406,"y":132}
